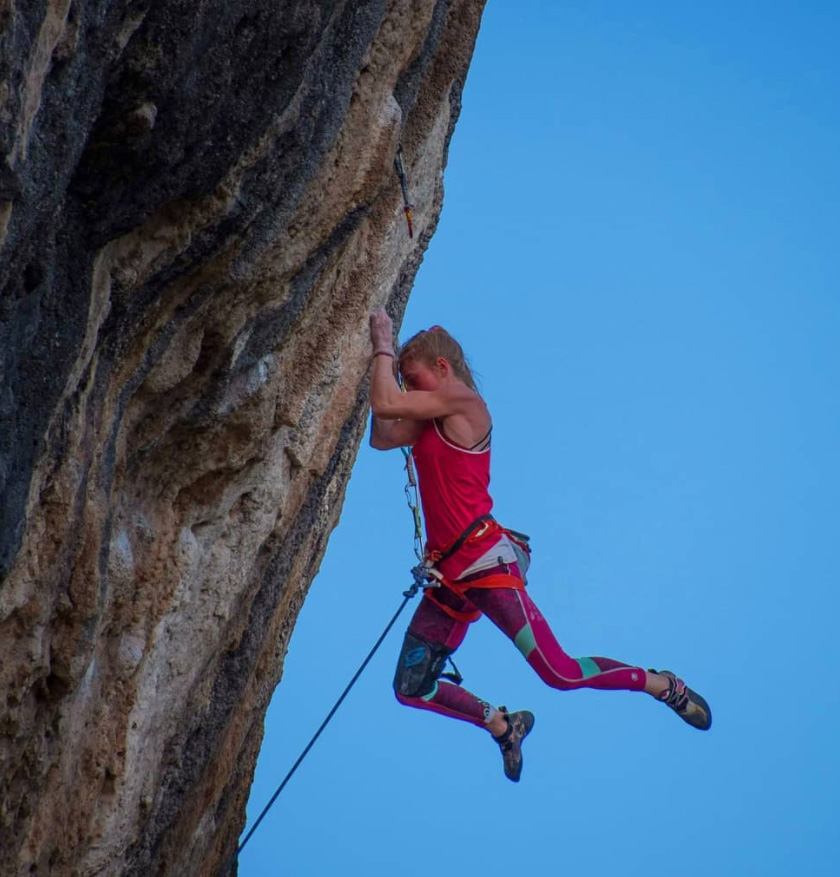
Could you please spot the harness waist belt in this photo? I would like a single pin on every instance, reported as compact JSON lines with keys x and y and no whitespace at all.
{"x":458,"y":543}
{"x":500,"y":569}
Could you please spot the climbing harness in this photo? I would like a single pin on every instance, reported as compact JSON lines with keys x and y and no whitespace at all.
{"x":398,"y":166}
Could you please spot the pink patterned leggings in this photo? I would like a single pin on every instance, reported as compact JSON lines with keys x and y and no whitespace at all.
{"x":515,"y":614}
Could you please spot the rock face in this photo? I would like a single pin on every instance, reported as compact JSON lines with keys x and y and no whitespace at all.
{"x":198,"y":208}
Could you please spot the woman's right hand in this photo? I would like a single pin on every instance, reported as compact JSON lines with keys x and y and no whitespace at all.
{"x":381,"y":330}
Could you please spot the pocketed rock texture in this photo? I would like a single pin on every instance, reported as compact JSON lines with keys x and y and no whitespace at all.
{"x":198,"y":209}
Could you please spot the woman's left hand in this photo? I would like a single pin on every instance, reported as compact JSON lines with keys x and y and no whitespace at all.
{"x":381,"y":330}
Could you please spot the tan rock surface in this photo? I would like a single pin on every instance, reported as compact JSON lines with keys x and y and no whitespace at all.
{"x":185,"y":354}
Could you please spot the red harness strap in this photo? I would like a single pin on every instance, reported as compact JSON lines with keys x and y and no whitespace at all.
{"x":494,"y":580}
{"x":463,"y":617}
{"x":500,"y":576}
{"x":490,"y":578}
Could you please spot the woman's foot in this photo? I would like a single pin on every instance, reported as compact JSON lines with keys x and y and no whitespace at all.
{"x":687,"y":704}
{"x":519,"y":725}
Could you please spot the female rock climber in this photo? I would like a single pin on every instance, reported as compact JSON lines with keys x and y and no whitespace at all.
{"x":442,"y":417}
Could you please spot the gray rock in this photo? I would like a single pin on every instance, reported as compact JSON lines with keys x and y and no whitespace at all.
{"x":198,"y":209}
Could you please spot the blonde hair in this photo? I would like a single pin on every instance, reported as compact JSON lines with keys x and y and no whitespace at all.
{"x":430,"y":344}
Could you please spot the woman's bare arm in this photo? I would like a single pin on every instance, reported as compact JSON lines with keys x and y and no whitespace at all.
{"x":389,"y":402}
{"x":388,"y":434}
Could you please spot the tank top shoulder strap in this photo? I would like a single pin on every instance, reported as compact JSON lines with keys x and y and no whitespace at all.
{"x":481,"y":445}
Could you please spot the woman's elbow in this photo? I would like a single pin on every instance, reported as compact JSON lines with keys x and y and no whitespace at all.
{"x":381,"y":410}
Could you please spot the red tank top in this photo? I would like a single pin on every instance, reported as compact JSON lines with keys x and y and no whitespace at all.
{"x":454,"y":483}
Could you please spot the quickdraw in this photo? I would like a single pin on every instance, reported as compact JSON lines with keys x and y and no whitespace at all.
{"x":413,"y":501}
{"x":398,"y":166}
{"x":424,"y":573}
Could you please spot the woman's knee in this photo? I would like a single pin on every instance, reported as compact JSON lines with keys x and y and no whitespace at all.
{"x":419,"y":667}
{"x":562,"y":673}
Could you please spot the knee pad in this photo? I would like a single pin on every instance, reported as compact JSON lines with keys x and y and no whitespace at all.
{"x":419,"y":667}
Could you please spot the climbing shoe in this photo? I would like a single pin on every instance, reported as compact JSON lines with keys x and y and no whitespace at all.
{"x":510,"y":742}
{"x":687,"y":704}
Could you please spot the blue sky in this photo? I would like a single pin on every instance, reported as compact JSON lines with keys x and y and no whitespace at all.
{"x":639,"y":251}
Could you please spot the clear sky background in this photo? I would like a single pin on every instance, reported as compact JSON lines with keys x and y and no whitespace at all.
{"x":639,"y":251}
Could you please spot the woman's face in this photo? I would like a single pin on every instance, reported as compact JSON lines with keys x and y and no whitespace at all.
{"x":418,"y":376}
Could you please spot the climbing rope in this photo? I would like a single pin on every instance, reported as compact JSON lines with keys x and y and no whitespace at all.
{"x":421,"y":574}
{"x":407,"y":596}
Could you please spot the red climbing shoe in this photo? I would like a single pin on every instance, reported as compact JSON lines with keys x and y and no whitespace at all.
{"x":687,"y":704}
{"x":510,"y":742}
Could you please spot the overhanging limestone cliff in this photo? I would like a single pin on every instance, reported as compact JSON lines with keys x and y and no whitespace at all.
{"x":198,"y":209}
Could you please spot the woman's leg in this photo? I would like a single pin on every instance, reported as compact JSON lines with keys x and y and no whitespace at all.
{"x":516,"y":615}
{"x":432,"y":636}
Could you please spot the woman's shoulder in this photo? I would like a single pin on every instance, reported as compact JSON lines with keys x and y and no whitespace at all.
{"x":466,"y":396}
